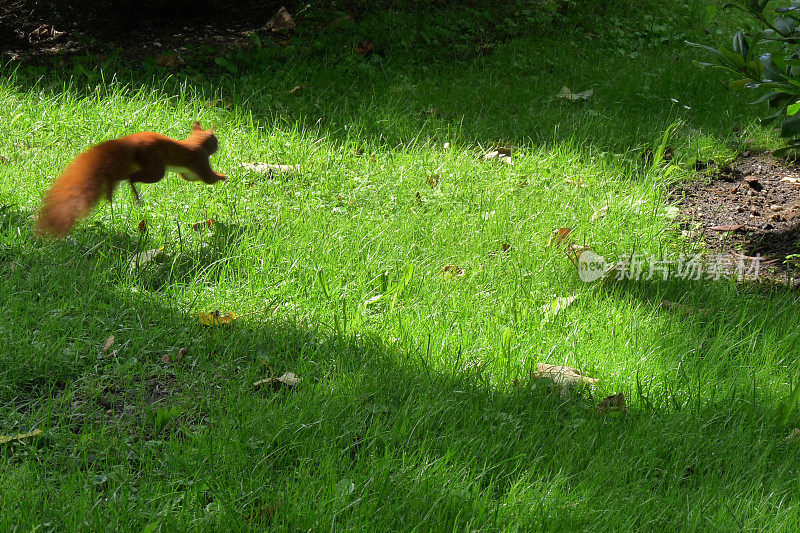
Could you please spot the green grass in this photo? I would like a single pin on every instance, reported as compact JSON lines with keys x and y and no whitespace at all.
{"x":416,"y":410}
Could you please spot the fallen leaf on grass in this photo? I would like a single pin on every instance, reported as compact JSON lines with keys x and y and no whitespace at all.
{"x":600,"y":213}
{"x":685,"y":309}
{"x":506,"y":247}
{"x":504,"y":149}
{"x":21,"y":437}
{"x":165,"y":358}
{"x":558,"y":305}
{"x":287,"y":379}
{"x":578,"y":182}
{"x":215,"y":318}
{"x":452,"y":271}
{"x":558,"y":236}
{"x":142,"y":226}
{"x":269,"y":169}
{"x":298,"y":88}
{"x":204,"y":224}
{"x":181,"y":354}
{"x":499,"y":156}
{"x":108,"y":343}
{"x":281,"y":22}
{"x":562,"y":375}
{"x":567,"y":94}
{"x":727,"y":227}
{"x":612,"y":403}
{"x":574,"y":252}
{"x":142,"y":258}
{"x":264,"y":514}
{"x":365,"y":48}
{"x":171,"y":61}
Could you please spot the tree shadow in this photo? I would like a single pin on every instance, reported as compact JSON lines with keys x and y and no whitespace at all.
{"x":438,"y":442}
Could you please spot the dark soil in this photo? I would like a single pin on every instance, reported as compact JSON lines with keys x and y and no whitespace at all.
{"x":34,"y":37}
{"x":751,"y":207}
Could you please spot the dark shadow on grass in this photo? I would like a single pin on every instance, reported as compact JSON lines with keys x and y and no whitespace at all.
{"x":423,"y":444}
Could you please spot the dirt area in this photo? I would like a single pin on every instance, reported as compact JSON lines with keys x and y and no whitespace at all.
{"x":751,"y":207}
{"x":34,"y":38}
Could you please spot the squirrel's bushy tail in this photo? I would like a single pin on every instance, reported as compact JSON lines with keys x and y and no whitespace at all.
{"x":67,"y":201}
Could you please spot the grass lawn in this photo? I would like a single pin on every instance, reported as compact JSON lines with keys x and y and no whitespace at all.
{"x":416,"y":408}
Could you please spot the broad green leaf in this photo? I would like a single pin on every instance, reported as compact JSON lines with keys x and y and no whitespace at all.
{"x":785,"y":25}
{"x":740,"y":45}
{"x":790,"y":126}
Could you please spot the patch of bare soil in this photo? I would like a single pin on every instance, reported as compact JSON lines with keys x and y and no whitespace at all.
{"x":32,"y":37}
{"x":750,"y":208}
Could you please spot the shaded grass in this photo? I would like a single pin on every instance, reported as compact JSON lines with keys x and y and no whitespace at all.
{"x":413,"y":412}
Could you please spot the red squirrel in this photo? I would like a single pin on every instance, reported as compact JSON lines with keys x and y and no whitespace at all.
{"x":142,"y":157}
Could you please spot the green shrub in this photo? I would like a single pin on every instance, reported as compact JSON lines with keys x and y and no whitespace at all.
{"x":776,"y":69}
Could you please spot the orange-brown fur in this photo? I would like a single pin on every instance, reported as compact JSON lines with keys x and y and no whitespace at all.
{"x":140,"y":157}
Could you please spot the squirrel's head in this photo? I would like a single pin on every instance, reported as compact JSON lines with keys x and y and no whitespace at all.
{"x":205,"y":139}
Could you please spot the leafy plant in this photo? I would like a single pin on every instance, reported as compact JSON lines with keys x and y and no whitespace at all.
{"x":777,"y":69}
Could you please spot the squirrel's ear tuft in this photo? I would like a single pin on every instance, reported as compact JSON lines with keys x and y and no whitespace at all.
{"x":196,"y":126}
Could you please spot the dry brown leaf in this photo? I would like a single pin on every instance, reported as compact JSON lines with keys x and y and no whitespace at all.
{"x":108,"y":343}
{"x":20,"y":437}
{"x":559,"y":304}
{"x":567,"y":94}
{"x":505,"y":247}
{"x":577,"y":182}
{"x":298,"y":88}
{"x":497,"y":156}
{"x":181,"y":354}
{"x":504,"y":149}
{"x":269,"y":169}
{"x":365,"y":48}
{"x":287,"y":379}
{"x":281,"y":22}
{"x":142,"y":258}
{"x":727,"y":227}
{"x":574,"y":252}
{"x":563,"y":375}
{"x":600,"y":213}
{"x":612,"y":403}
{"x":558,"y":236}
{"x":165,"y":358}
{"x":169,"y":60}
{"x":45,"y":32}
{"x":142,"y":226}
{"x":204,"y":224}
{"x":453,"y":271}
{"x":685,"y":309}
